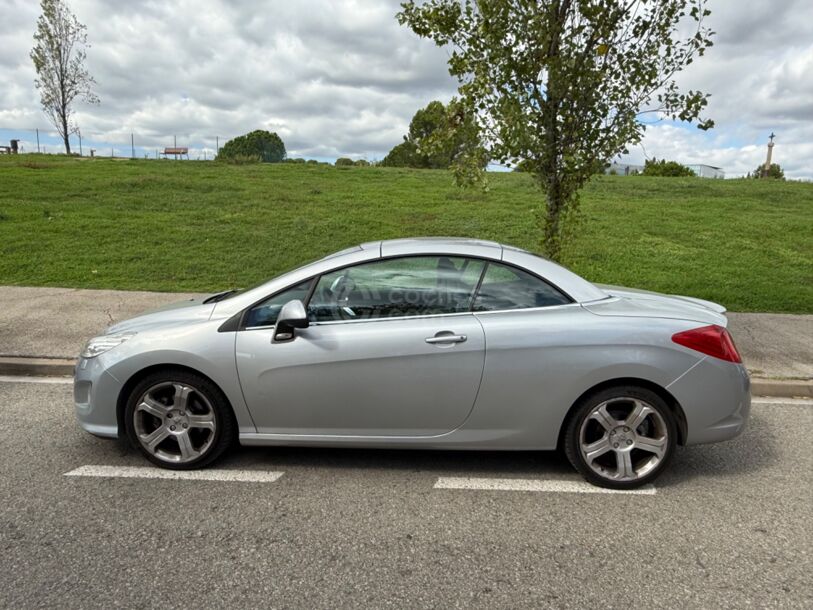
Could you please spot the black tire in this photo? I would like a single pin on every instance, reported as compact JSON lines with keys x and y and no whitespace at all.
{"x":618,"y":397}
{"x":204,"y":394}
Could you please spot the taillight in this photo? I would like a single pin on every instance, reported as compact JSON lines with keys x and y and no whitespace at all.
{"x":710,"y":340}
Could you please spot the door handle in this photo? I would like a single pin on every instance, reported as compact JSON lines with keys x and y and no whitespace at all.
{"x":441,"y":338}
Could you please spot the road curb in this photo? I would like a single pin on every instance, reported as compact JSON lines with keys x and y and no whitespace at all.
{"x":61,"y":367}
{"x":36,"y":367}
{"x":782,"y":388}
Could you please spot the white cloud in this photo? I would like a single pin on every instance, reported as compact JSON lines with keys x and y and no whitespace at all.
{"x":760,"y":76}
{"x":343,"y":78}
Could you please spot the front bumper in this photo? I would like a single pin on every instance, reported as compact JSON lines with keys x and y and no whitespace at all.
{"x":716,"y":399}
{"x":95,"y":394}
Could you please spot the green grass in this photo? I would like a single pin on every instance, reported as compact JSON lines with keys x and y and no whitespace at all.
{"x":197,"y":226}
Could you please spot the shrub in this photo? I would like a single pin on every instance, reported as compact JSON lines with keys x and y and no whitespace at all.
{"x":775,"y":172}
{"x":362,"y":163}
{"x":670,"y":169}
{"x":263,"y":144}
{"x":344,"y":161}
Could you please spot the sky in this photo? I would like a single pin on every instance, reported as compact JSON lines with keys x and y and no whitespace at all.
{"x":342,"y":78}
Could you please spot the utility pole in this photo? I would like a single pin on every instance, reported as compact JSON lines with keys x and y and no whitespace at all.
{"x":38,"y":139}
{"x":767,"y":167}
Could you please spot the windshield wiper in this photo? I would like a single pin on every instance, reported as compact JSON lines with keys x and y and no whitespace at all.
{"x":219,"y":296}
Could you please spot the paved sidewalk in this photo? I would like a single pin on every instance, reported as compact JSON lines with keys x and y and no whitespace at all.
{"x":56,"y":322}
{"x":774,"y":345}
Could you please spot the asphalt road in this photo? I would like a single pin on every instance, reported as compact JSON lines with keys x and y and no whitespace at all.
{"x":729,"y":526}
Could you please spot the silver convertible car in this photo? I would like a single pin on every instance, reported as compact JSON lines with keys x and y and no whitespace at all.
{"x":429,"y":343}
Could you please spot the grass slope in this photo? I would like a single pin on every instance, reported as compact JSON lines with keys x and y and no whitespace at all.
{"x":162,"y":225}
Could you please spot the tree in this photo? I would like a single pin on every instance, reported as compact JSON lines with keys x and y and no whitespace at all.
{"x":266,"y":145}
{"x":59,"y":54}
{"x":774,"y":171}
{"x":563,"y":83}
{"x":344,"y":162}
{"x":404,"y":154}
{"x":653,"y":167}
{"x":439,"y":137}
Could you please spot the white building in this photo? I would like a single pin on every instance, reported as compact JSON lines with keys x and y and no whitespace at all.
{"x":629,"y":169}
{"x":707,"y":171}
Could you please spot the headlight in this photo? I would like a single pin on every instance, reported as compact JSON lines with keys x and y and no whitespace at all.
{"x":100,"y":345}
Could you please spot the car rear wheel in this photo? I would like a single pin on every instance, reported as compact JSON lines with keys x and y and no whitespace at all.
{"x":621,"y":437}
{"x":179,"y":420}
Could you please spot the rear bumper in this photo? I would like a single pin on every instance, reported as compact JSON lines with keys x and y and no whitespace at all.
{"x":95,"y":392}
{"x":716,"y":399}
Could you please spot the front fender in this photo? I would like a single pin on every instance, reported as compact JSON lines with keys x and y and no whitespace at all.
{"x":200,"y":348}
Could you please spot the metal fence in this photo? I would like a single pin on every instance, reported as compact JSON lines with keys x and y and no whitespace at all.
{"x":132,"y":145}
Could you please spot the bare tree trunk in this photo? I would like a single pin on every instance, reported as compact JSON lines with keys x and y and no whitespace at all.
{"x":553,"y":214}
{"x":552,"y":177}
{"x":65,"y":134}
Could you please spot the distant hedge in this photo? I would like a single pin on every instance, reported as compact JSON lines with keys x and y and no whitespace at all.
{"x":266,"y":145}
{"x":666,"y":169}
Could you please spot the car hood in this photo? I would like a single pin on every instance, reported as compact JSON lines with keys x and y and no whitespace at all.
{"x":632,"y":302}
{"x":187,"y":311}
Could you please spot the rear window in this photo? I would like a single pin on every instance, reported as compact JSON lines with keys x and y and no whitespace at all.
{"x":506,"y":287}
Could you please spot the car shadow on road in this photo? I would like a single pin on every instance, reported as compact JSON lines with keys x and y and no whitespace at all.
{"x":756,"y":449}
{"x":503,"y":464}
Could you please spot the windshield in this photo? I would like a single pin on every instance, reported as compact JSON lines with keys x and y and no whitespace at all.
{"x":228,"y":294}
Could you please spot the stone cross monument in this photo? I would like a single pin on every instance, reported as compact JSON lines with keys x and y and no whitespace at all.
{"x":767,"y":166}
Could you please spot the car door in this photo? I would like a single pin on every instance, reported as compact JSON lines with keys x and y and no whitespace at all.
{"x":533,"y":355}
{"x":392,"y":350}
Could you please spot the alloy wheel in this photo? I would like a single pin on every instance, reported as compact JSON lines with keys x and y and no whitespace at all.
{"x":175,"y":422}
{"x":623,"y":439}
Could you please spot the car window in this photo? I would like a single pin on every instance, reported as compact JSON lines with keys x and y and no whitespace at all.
{"x":265,"y":314}
{"x":506,"y":287}
{"x":408,"y":286}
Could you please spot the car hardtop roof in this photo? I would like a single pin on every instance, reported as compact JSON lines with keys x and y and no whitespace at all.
{"x":441,"y":241}
{"x":417,"y":245}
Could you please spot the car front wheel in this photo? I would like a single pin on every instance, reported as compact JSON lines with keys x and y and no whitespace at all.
{"x":621,"y":437}
{"x":179,"y":420}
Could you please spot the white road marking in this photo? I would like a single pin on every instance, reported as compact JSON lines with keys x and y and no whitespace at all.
{"x":546,"y":485}
{"x":24,"y":379}
{"x":804,"y":402}
{"x":146,"y":472}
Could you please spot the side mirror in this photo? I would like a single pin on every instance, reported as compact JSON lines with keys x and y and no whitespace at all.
{"x":291,"y":316}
